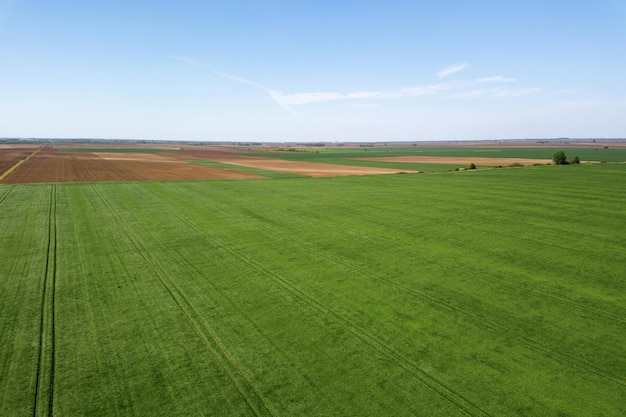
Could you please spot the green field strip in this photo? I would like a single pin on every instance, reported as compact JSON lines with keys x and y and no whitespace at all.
{"x":124,"y":338}
{"x":277,"y":366}
{"x":221,"y":357}
{"x":239,"y":168}
{"x":44,"y":386}
{"x":23,"y":242}
{"x":550,"y":351}
{"x":409,"y":166}
{"x":20,"y":162}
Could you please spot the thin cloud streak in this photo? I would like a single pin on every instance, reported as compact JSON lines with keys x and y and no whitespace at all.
{"x":277,"y":96}
{"x":289,"y":101}
{"x":452,"y":70}
{"x":495,"y":79}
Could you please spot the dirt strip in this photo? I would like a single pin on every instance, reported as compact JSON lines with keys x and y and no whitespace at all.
{"x":311,"y":169}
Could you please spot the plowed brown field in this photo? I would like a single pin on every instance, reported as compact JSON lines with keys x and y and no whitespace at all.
{"x":311,"y":169}
{"x":128,"y":163}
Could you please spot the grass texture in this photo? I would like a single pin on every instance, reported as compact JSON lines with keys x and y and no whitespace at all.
{"x":489,"y":293}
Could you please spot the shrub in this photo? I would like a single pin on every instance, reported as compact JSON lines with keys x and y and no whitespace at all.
{"x":471,"y":166}
{"x":559,"y":158}
{"x":575,"y":161}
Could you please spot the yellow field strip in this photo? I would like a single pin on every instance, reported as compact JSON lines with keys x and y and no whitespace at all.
{"x":14,"y":167}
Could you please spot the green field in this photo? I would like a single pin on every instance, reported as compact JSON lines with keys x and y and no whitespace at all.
{"x":337,"y":154}
{"x":487,"y":293}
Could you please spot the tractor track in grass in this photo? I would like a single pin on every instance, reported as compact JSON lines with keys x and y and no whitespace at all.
{"x":444,"y":391}
{"x":44,"y":384}
{"x":476,"y":319}
{"x":441,"y":305}
{"x":450,"y":309}
{"x":7,"y":191}
{"x":216,"y":350}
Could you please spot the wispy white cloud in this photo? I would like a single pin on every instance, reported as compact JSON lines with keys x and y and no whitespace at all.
{"x":451,"y":70}
{"x":277,"y":96}
{"x":496,"y":92}
{"x":187,"y":60}
{"x":305,"y":98}
{"x":495,"y":79}
{"x":456,"y":89}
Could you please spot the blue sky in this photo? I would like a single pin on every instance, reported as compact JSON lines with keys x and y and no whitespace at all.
{"x":313,"y":70}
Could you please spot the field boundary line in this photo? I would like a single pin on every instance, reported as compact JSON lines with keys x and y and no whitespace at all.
{"x":44,"y":384}
{"x":436,"y":386}
{"x":447,"y":308}
{"x":212,"y":345}
{"x":18,"y":163}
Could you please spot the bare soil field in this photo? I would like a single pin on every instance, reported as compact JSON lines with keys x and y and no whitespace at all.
{"x":11,"y":156}
{"x":459,"y":160}
{"x":48,"y":165}
{"x":563,"y":143}
{"x":311,"y":169}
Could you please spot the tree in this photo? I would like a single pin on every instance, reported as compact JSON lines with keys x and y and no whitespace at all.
{"x":559,"y":158}
{"x":575,"y":160}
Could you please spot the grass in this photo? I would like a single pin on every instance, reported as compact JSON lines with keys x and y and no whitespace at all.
{"x":119,"y":150}
{"x":497,"y":292}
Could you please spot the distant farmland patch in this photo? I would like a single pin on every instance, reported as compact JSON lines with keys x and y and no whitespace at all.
{"x":461,"y":160}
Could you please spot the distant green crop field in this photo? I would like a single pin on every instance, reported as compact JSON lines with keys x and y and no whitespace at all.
{"x":585,"y":154}
{"x":487,"y":293}
{"x":239,"y":168}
